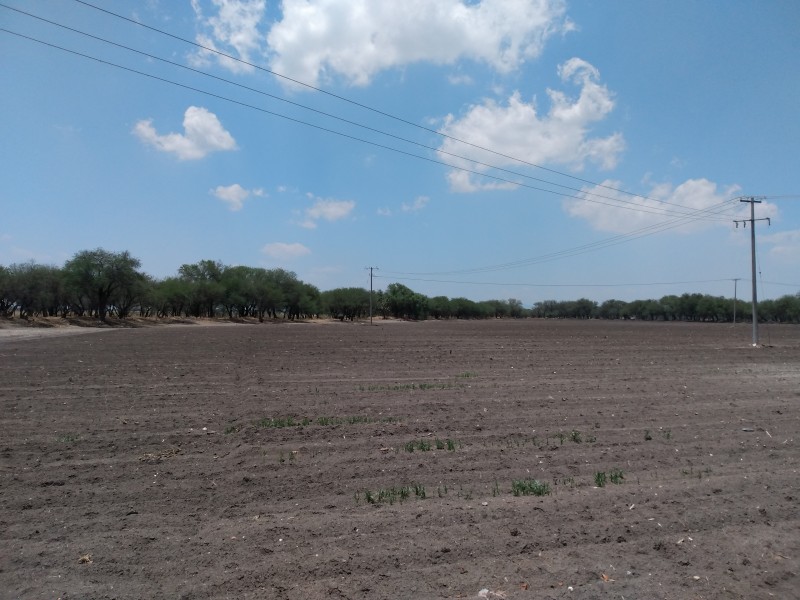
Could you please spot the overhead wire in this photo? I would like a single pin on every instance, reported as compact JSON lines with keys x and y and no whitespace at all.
{"x":358,"y":104}
{"x":710,"y":213}
{"x":582,"y":193}
{"x":697,"y":214}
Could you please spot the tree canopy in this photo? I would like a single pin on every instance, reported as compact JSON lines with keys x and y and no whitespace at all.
{"x":100,"y":283}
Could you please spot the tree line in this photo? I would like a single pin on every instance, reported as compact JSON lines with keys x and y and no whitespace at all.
{"x":98,"y":283}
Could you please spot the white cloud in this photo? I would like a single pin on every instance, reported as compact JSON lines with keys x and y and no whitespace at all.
{"x":384,"y":212}
{"x":356,"y":39}
{"x":203,"y":134}
{"x":612,"y":212}
{"x":328,"y":210}
{"x":232,"y":30}
{"x":235,"y":195}
{"x":284,"y":251}
{"x":417,"y":205}
{"x":561,"y":137}
{"x":785,"y":245}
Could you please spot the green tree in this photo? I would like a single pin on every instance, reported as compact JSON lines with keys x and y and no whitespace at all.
{"x":97,"y":275}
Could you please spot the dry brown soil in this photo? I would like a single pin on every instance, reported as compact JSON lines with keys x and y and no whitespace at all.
{"x":143,"y":463}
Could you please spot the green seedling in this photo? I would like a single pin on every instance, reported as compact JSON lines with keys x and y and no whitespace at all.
{"x":600,"y":478}
{"x":529,"y":487}
{"x":68,"y":438}
{"x":616,"y":476}
{"x":575,"y":436}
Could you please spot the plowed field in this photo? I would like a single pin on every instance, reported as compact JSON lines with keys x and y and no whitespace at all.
{"x":329,"y":460}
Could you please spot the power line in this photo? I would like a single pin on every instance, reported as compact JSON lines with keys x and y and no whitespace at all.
{"x":583,"y":193}
{"x":569,"y":252}
{"x":355,"y":103}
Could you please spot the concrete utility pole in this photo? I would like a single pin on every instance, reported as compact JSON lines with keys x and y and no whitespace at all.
{"x":370,"y":269}
{"x":752,"y":220}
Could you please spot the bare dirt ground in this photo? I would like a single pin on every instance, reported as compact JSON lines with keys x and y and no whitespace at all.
{"x":162,"y":462}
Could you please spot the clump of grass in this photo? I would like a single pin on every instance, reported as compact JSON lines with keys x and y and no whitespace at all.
{"x":405,"y":387}
{"x":283,"y":422}
{"x":616,"y":476}
{"x":467,"y":374}
{"x":529,"y":487}
{"x":426,"y":446}
{"x":575,"y":436}
{"x":393,"y":494}
{"x":68,"y":438}
{"x":600,"y":478}
{"x":231,"y":429}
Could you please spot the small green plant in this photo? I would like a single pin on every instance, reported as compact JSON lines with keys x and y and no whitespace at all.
{"x":467,"y":374}
{"x":496,"y":489}
{"x":600,"y":478}
{"x":231,"y":429}
{"x":281,"y":423}
{"x":451,"y":445}
{"x":591,"y":439}
{"x":529,"y":487}
{"x":647,"y":435}
{"x":393,"y":494}
{"x":68,"y":438}
{"x":575,"y":436}
{"x":561,"y":437}
{"x":439,"y":444}
{"x":667,"y":433}
{"x":616,"y":476}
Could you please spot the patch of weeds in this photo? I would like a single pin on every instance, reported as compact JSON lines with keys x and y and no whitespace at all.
{"x":561,"y":437}
{"x":496,"y":489}
{"x":616,"y":476}
{"x":568,"y":481}
{"x":647,"y":435}
{"x":529,"y":487}
{"x":467,"y":374}
{"x":68,"y":438}
{"x":281,"y":423}
{"x":426,"y":446}
{"x":591,"y":439}
{"x":575,"y":436}
{"x":231,"y":429}
{"x":600,"y":478}
{"x":465,"y":494}
{"x":393,"y":494}
{"x":406,"y":387}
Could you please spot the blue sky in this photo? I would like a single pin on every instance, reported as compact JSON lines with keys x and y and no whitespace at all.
{"x":649,"y":118}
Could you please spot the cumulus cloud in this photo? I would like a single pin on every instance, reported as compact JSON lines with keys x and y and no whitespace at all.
{"x":234,"y":195}
{"x":232,"y":29}
{"x":613,"y":211}
{"x":327,"y":210}
{"x":785,"y":245}
{"x":515,"y":128}
{"x":203,"y":134}
{"x":356,"y":39}
{"x":284,"y":251}
{"x":417,"y":205}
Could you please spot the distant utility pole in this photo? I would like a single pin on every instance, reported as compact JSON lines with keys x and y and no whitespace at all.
{"x":370,"y":269}
{"x":735,"y":281}
{"x":753,"y":200}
